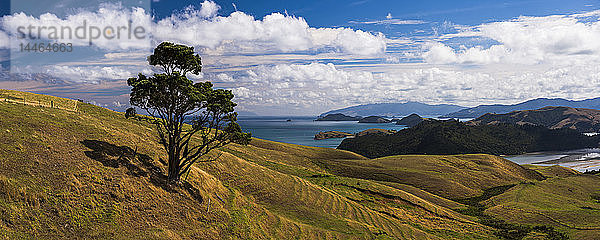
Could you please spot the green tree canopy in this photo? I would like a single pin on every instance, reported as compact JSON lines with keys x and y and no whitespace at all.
{"x":176,"y":58}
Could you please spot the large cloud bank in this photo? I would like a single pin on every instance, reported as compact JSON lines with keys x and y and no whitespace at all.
{"x":239,"y":32}
{"x":319,"y":87}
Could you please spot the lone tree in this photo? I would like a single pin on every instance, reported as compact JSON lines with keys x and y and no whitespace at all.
{"x":191,"y":118}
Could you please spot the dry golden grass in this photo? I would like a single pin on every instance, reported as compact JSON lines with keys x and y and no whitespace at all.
{"x":452,"y":177}
{"x":553,"y":171}
{"x":12,"y":96}
{"x":94,"y":174}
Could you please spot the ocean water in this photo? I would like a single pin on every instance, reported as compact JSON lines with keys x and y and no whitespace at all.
{"x":302,"y":130}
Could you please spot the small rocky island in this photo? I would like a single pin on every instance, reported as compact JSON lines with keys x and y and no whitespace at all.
{"x":332,"y":134}
{"x":374,"y":119}
{"x":410,"y":120}
{"x":337,"y":117}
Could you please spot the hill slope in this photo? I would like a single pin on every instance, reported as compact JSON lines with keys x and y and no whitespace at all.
{"x":452,"y":177}
{"x":91,"y":173}
{"x":474,"y":112}
{"x":570,"y":204}
{"x":580,"y":119}
{"x":397,"y":109}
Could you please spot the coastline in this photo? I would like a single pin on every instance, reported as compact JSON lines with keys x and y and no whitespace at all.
{"x":581,"y":160}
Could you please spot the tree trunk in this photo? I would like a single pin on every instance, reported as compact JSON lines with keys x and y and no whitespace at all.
{"x":173,"y":164}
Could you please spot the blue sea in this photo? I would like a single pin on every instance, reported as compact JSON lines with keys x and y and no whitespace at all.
{"x":302,"y":130}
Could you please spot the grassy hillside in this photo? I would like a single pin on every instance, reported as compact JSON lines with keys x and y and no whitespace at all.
{"x":94,"y":174}
{"x":453,"y":176}
{"x":570,"y":204}
{"x":553,"y":171}
{"x":91,"y":173}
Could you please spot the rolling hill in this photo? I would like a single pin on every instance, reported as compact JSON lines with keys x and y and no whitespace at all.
{"x":579,"y":119}
{"x":397,"y":109}
{"x":89,"y":173}
{"x":474,"y":112}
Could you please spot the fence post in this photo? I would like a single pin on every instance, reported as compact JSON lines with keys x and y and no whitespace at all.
{"x":208,"y":207}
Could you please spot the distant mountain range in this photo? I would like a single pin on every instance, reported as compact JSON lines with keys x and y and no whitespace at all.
{"x":397,"y":109}
{"x":593,"y":103}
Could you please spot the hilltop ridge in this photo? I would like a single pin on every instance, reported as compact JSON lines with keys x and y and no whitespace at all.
{"x":397,"y":109}
{"x":579,"y":119}
{"x":480,"y":110}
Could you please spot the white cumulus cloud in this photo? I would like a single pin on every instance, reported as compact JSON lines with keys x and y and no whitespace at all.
{"x":89,"y":73}
{"x":4,"y":40}
{"x":209,"y":9}
{"x":527,"y":40}
{"x":441,"y":54}
{"x":275,"y":32}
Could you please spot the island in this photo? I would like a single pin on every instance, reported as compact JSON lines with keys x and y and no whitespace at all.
{"x":410,"y":120}
{"x":374,"y":119}
{"x":338,"y":134}
{"x":337,"y":117}
{"x":332,"y":134}
{"x":447,"y":137}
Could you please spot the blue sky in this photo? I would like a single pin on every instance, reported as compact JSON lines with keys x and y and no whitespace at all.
{"x":307,"y":57}
{"x":325,"y":13}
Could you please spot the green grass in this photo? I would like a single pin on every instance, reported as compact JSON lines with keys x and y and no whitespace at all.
{"x":504,"y":229}
{"x":568,"y":204}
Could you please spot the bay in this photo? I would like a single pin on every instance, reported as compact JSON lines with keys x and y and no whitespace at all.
{"x":302,"y":130}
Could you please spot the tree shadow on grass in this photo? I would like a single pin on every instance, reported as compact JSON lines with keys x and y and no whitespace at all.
{"x":137,"y":165}
{"x":111,"y":155}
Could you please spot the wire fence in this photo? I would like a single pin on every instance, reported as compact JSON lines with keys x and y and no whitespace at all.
{"x":38,"y":100}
